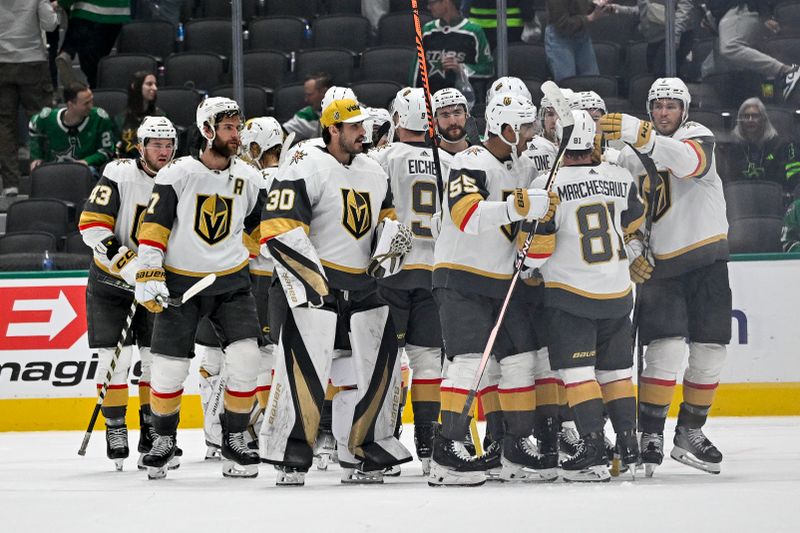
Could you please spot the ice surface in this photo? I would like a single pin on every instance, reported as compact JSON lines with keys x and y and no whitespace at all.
{"x":45,"y":486}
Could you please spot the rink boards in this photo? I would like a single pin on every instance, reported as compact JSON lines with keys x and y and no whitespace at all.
{"x":47,"y":370}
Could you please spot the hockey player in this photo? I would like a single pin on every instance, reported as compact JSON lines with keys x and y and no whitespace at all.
{"x":410,"y":166}
{"x":543,"y":149}
{"x":193,"y":226}
{"x":318,"y":224}
{"x":108,"y":225}
{"x":588,"y":298}
{"x":450,"y":113}
{"x":487,"y":194}
{"x":688,"y":298}
{"x":592,"y":103}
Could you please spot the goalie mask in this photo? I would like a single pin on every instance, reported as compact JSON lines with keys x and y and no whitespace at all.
{"x":669,"y":88}
{"x":155,"y":128}
{"x":259,"y":135}
{"x":508,"y":85}
{"x":394,"y":243}
{"x":212,"y":110}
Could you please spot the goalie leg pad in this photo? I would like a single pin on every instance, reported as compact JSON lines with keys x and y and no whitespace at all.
{"x":343,"y":377}
{"x":302,"y":366}
{"x":298,"y":268}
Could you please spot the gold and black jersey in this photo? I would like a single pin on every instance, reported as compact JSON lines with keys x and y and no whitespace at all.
{"x":195,"y":223}
{"x":338,"y":206}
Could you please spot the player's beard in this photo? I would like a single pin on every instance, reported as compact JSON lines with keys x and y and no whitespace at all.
{"x":351,"y":147}
{"x":223,"y":149}
{"x":454,"y":134}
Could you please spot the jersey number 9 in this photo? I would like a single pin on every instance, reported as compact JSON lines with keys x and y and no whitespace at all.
{"x":423,"y":198}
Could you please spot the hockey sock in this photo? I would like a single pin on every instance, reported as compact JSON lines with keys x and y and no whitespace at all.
{"x":585,"y":399}
{"x":493,"y":412}
{"x":453,"y":400}
{"x":239,"y":402}
{"x":115,"y":403}
{"x":547,"y":397}
{"x":165,"y":408}
{"x":426,"y":400}
{"x":620,"y":402}
{"x":144,"y":395}
{"x":564,"y":411}
{"x":654,"y":400}
{"x":518,"y":407}
{"x":697,"y":399}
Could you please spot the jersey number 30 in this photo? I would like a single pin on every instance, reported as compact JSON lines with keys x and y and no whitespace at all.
{"x":596,"y":239}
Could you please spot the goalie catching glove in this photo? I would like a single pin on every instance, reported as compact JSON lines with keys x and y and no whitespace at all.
{"x":532,"y":204}
{"x":638,"y":133}
{"x":641,"y":268}
{"x":394,"y":243}
{"x":151,"y":289}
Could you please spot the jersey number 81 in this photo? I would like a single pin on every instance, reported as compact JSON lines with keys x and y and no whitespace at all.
{"x":593,"y":224}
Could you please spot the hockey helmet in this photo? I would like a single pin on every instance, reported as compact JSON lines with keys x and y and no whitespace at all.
{"x":506,"y":85}
{"x":447,"y":97}
{"x":582,"y":137}
{"x":591,"y":100}
{"x":337,"y":93}
{"x":415,"y":115}
{"x":510,"y":109}
{"x":669,"y":88}
{"x":377,"y":118}
{"x":156,"y":128}
{"x":259,"y":135}
{"x":213,"y":109}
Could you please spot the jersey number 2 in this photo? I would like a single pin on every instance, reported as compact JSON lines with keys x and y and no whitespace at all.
{"x":596,"y":239}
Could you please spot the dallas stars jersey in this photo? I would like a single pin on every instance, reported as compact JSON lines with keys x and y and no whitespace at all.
{"x":481,"y":263}
{"x":116,"y":206}
{"x":337,"y":205}
{"x":412,"y":176}
{"x":261,"y":264}
{"x":587,"y":273}
{"x":92,"y":140}
{"x":194,"y":224}
{"x":690,"y":226}
{"x":542,"y":152}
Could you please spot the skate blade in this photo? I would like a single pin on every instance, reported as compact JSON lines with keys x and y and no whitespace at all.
{"x":322,"y":461}
{"x":156,"y":472}
{"x":291,"y":480}
{"x":588,"y":475}
{"x":426,"y":466}
{"x":213,"y":454}
{"x":355,"y":477}
{"x":174,"y":463}
{"x":118,"y":464}
{"x":392,"y":471}
{"x":687,"y":458}
{"x":233,"y":469}
{"x":650,"y":469}
{"x":444,"y":477}
{"x":511,"y":473}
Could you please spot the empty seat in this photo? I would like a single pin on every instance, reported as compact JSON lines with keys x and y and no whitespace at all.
{"x":527,"y":61}
{"x":267,"y":68}
{"x":278,"y":33}
{"x":603,"y":85}
{"x":376,"y":93}
{"x":753,"y":198}
{"x":342,"y":31}
{"x":70,"y":182}
{"x":112,"y":100}
{"x":758,"y":234}
{"x":713,"y":120}
{"x":391,"y":63}
{"x":337,"y":62}
{"x":40,"y":214}
{"x":704,"y":96}
{"x":113,"y":72}
{"x":344,"y":6}
{"x":638,"y":87}
{"x":635,"y":58}
{"x":398,"y":28}
{"x":620,"y":30}
{"x":788,"y":14}
{"x":152,"y":37}
{"x":785,"y":50}
{"x":783,"y":120}
{"x":609,"y":58}
{"x":27,"y":242}
{"x":255,"y":99}
{"x":732,"y":88}
{"x":209,"y":35}
{"x":73,"y":244}
{"x":179,"y":104}
{"x":222,"y":9}
{"x":298,"y":8}
{"x":288,"y":100}
{"x":198,"y":70}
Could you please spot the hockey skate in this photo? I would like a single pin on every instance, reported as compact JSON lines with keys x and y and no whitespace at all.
{"x":238,"y":459}
{"x":692,"y":448}
{"x":212,"y":453}
{"x":159,"y":456}
{"x":547,"y":441}
{"x":451,"y":464}
{"x":522,"y":462}
{"x":491,"y":459}
{"x":356,"y":476}
{"x":568,"y":441}
{"x":392,"y":471}
{"x":117,"y":445}
{"x":651,"y":446}
{"x":148,"y":435}
{"x":290,"y":477}
{"x":325,"y":449}
{"x":626,"y":454}
{"x":423,"y":440}
{"x":590,"y":464}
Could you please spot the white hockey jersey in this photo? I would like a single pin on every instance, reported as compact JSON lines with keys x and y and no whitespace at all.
{"x":195,"y":222}
{"x":481,"y":263}
{"x":339,"y":207}
{"x":116,"y":206}
{"x":587,"y":273}
{"x":542,"y":153}
{"x":412,"y":177}
{"x":262,"y":264}
{"x":690,"y":226}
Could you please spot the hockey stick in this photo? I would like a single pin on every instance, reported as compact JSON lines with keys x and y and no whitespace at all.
{"x":553,"y":93}
{"x":172,"y":302}
{"x":192,"y":291}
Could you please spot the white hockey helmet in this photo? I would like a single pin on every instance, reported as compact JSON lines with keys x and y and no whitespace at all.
{"x":506,"y":85}
{"x":337,"y":93}
{"x":546,"y":104}
{"x":377,"y":118}
{"x":582,"y":137}
{"x":415,"y":115}
{"x":447,"y":97}
{"x":591,"y":100}
{"x":209,"y":111}
{"x":259,"y":135}
{"x":156,"y":128}
{"x":669,"y":88}
{"x":510,"y":109}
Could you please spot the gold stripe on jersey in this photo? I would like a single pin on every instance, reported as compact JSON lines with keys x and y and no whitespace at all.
{"x":191,"y":274}
{"x":90,"y":218}
{"x":342,"y":268}
{"x":472,"y":270}
{"x":704,"y":242}
{"x":389,"y":213}
{"x":586,"y":294}
{"x":418,"y":267}
{"x":277,"y":226}
{"x":154,"y":234}
{"x":464,"y":207}
{"x":704,"y":162}
{"x":252,"y":245}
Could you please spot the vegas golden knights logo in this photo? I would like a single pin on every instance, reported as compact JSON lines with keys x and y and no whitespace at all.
{"x":663,"y":196}
{"x":510,"y":230}
{"x":212,"y":217}
{"x":138,"y":217}
{"x":356,"y":212}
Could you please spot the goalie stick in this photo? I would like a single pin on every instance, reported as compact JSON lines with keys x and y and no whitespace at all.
{"x":175,"y":302}
{"x":553,"y":94}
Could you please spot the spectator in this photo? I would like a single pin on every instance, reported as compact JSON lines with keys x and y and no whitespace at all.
{"x":305,"y":123}
{"x":520,"y":17}
{"x":91,"y":32}
{"x":78,"y":132}
{"x":758,"y":152}
{"x":24,"y":77}
{"x":373,"y":10}
{"x":790,"y":237}
{"x":142,"y":94}
{"x":740,"y":29}
{"x":567,"y":43}
{"x":453,"y":46}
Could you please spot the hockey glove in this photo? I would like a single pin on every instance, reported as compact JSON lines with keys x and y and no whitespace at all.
{"x":394,"y":242}
{"x":151,"y":289}
{"x":640,"y":266}
{"x":436,"y":224}
{"x":637,"y":133}
{"x":532,"y":204}
{"x":125,"y":264}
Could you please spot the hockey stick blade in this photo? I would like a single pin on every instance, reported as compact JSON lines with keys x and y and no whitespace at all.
{"x":559,"y":103}
{"x":287,"y":143}
{"x":192,"y":291}
{"x":204,"y":283}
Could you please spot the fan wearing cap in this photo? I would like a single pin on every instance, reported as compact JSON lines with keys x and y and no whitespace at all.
{"x":689,"y":248}
{"x":108,"y":225}
{"x":193,"y":226}
{"x":326,"y":207}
